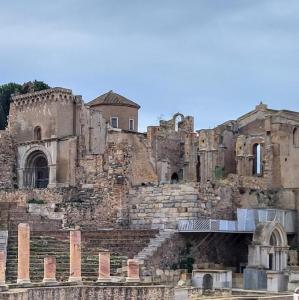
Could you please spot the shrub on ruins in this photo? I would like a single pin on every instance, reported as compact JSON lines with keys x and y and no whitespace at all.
{"x":6,"y":90}
{"x":35,"y":201}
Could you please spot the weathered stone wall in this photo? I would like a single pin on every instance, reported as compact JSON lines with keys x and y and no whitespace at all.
{"x":104,"y":181}
{"x":162,"y":206}
{"x":91,"y":293}
{"x":254,"y":192}
{"x":197,"y":293}
{"x":7,"y":161}
{"x":51,"y":109}
{"x":22,"y":196}
{"x":167,"y":147}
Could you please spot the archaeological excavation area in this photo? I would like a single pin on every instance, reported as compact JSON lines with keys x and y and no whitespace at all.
{"x":91,"y":208}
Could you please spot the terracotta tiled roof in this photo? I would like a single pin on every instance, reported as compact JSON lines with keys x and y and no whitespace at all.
{"x":112,"y":98}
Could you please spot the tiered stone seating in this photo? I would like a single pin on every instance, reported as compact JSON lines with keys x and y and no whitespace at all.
{"x":122,"y":244}
{"x":19,"y":214}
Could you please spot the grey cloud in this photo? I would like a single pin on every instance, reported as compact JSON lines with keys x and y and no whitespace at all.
{"x":215,"y":58}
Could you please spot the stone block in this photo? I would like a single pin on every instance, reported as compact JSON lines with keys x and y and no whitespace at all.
{"x":277,"y":281}
{"x":255,"y":279}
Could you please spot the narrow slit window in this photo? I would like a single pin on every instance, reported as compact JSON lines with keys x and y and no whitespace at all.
{"x":257,"y":160}
{"x":296,"y":137}
{"x":37,"y":133}
{"x":131,"y":124}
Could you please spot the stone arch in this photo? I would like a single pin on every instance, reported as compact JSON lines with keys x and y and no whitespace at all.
{"x":33,"y":149}
{"x":253,"y":141}
{"x":37,"y":170}
{"x":37,"y":157}
{"x":269,"y":248}
{"x":37,"y":133}
{"x":207,"y":282}
{"x":266,"y":233}
{"x":278,"y":236}
{"x":174,"y":178}
{"x":176,"y":120}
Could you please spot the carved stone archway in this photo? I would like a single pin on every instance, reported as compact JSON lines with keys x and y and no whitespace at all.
{"x":269,"y":248}
{"x":36,"y":168}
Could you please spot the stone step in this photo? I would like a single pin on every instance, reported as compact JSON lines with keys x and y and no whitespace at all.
{"x":57,"y":244}
{"x":155,"y":243}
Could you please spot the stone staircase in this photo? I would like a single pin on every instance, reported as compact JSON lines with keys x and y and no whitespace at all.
{"x":146,"y":254}
{"x":122,"y":244}
{"x":19,"y":214}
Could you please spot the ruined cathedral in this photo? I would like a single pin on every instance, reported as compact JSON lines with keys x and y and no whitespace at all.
{"x":91,"y":206}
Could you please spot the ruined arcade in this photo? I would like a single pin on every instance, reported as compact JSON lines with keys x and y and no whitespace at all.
{"x":91,"y":206}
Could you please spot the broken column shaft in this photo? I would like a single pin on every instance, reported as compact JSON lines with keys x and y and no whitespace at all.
{"x":23,"y":253}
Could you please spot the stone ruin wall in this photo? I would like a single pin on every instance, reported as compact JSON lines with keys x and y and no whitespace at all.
{"x":92,"y":293}
{"x":104,"y":181}
{"x":7,"y":161}
{"x":21,"y":197}
{"x":162,"y":206}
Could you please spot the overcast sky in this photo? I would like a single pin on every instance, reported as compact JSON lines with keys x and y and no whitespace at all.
{"x":213,"y":59}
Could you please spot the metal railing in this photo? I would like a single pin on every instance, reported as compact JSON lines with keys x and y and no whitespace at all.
{"x":247,"y":219}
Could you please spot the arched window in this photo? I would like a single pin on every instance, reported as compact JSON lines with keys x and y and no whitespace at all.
{"x":257,"y":160}
{"x":296,"y":137}
{"x":177,"y":119}
{"x":37,"y":133}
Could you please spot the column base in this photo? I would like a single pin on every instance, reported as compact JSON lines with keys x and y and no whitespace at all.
{"x":100,"y":280}
{"x":23,"y":281}
{"x":75,"y":279}
{"x":128,"y":279}
{"x":50,"y":281}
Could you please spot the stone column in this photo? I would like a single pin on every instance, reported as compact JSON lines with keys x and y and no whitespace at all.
{"x":50,"y":270}
{"x":3,"y":286}
{"x":75,"y":256}
{"x":133,"y":270}
{"x":104,"y":267}
{"x":23,"y":253}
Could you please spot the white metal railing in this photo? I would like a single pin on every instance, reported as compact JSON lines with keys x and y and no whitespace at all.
{"x":247,"y":219}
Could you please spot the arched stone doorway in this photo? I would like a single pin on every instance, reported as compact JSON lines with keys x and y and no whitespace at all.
{"x":207,"y":282}
{"x":269,"y":248}
{"x":267,"y":258}
{"x":174,"y":178}
{"x":37,"y":170}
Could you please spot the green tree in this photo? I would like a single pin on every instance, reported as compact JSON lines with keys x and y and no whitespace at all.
{"x":6,"y":90}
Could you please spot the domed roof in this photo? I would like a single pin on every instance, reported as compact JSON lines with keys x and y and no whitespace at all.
{"x":112,"y":98}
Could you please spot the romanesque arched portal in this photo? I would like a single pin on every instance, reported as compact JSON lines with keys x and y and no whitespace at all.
{"x":37,"y":170}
